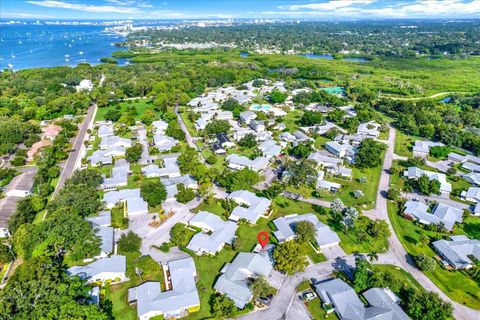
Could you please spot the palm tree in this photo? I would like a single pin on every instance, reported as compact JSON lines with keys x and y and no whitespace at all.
{"x":373,"y":256}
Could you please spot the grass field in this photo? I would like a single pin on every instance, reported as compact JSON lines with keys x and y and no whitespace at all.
{"x":404,"y":144}
{"x":456,"y":284}
{"x":141,"y":105}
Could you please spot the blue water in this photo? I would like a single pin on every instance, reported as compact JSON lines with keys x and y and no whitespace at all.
{"x":244,"y":54}
{"x":31,"y":46}
{"x":330,"y":57}
{"x":446,"y":100}
{"x":317,"y":56}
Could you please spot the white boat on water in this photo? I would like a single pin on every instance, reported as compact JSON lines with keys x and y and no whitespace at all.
{"x":10,"y":66}
{"x":80,"y":52}
{"x":67,"y":56}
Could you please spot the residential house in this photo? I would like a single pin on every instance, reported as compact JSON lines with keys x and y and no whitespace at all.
{"x":109,"y":268}
{"x":270,"y":149}
{"x":178,"y":301}
{"x":247,"y":116}
{"x":235,"y":276}
{"x":472,"y":177}
{"x":224,"y":141}
{"x":301,"y":137}
{"x":416,"y":173}
{"x":458,"y":252}
{"x":163,"y":142}
{"x":324,"y":184}
{"x":218,"y":149}
{"x":472,"y":194}
{"x":242,"y":132}
{"x":257,"y":125}
{"x":286,"y":226}
{"x":131,"y":198}
{"x":348,"y":306}
{"x":324,"y":161}
{"x":171,"y":184}
{"x":470,"y":166}
{"x":441,"y":214}
{"x":84,"y":85}
{"x":105,"y":130}
{"x":458,"y":158}
{"x":341,"y":150}
{"x":109,"y":142}
{"x":119,"y":176}
{"x":287,"y":137}
{"x":216,"y":233}
{"x":159,"y":127}
{"x":370,"y":129}
{"x":422,"y":148}
{"x":251,"y":206}
{"x":343,"y":172}
{"x":170,"y":169}
{"x":238,"y":162}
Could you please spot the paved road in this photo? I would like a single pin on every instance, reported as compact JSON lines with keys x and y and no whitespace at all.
{"x":299,"y":197}
{"x":188,"y":136}
{"x":400,"y":256}
{"x":432,"y":197}
{"x":73,"y":157}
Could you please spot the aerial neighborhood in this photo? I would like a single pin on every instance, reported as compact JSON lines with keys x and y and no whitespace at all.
{"x":196,"y":180}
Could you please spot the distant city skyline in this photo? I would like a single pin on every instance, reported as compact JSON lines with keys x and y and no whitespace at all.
{"x":234,"y":9}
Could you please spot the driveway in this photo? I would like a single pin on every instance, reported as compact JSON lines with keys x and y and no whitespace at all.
{"x":333,"y":252}
{"x":442,"y":198}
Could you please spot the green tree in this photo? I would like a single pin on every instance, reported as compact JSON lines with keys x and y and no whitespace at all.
{"x":178,"y":235}
{"x":223,"y":307}
{"x":425,"y":305}
{"x":134,"y":153}
{"x":184,"y":194}
{"x":238,"y":180}
{"x":217,"y":126}
{"x":148,"y":117}
{"x":393,"y":194}
{"x":129,"y":242}
{"x":305,"y":231}
{"x":289,"y":258}
{"x":112,"y":115}
{"x":276,"y":96}
{"x":248,"y":141}
{"x":154,"y":192}
{"x":301,"y":172}
{"x":261,"y":288}
{"x":439,"y":152}
{"x":423,"y":184}
{"x":361,"y":275}
{"x":378,"y":229}
{"x":369,"y":153}
{"x":425,"y":263}
{"x":301,"y":150}
{"x":310,"y":118}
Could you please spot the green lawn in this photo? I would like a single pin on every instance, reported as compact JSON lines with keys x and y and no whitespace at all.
{"x":118,"y":219}
{"x":141,"y":105}
{"x":314,"y":306}
{"x":456,"y":284}
{"x":190,"y":125}
{"x":404,"y":144}
{"x":398,"y":274}
{"x":291,"y":119}
{"x":212,"y":205}
{"x":118,"y":293}
{"x":320,"y":142}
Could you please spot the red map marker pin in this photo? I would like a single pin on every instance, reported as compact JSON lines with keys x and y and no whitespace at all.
{"x":262,"y":238}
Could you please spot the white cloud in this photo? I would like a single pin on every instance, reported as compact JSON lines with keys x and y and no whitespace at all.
{"x":121,"y":2}
{"x":330,"y":5}
{"x":85,"y":7}
{"x":26,"y":15}
{"x":357,"y":9}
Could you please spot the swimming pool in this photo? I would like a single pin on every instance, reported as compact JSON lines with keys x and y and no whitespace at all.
{"x":258,"y":107}
{"x":334,"y":90}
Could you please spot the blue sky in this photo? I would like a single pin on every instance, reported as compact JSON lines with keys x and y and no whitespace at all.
{"x":196,"y":9}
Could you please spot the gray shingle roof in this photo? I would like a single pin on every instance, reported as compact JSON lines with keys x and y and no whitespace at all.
{"x":456,"y":252}
{"x":151,"y":301}
{"x":113,"y":264}
{"x":257,"y":206}
{"x":233,"y":281}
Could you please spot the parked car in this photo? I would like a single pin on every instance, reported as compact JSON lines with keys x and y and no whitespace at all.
{"x":307,"y":296}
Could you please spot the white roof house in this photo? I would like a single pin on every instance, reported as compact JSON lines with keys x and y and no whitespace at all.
{"x":170,"y":169}
{"x":340,"y":150}
{"x":415,"y":173}
{"x":217,"y":233}
{"x":369,"y":129}
{"x":131,"y":197}
{"x":270,"y":149}
{"x":325,"y":161}
{"x":233,"y":281}
{"x":423,"y":147}
{"x":287,"y":137}
{"x":173,"y":303}
{"x":101,"y":224}
{"x":470,"y":166}
{"x":457,"y":252}
{"x":455,"y":157}
{"x":119,"y":176}
{"x":442,"y":213}
{"x":472,"y":194}
{"x":159,"y":126}
{"x":324,"y":236}
{"x":171,"y":184}
{"x":347,"y":305}
{"x":472,"y":177}
{"x":237,"y":162}
{"x":98,"y":158}
{"x":85,"y":85}
{"x":163,"y":142}
{"x":324,"y":184}
{"x":114,"y":141}
{"x":247,"y":116}
{"x":105,"y":130}
{"x":108,"y":268}
{"x":257,"y":206}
